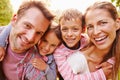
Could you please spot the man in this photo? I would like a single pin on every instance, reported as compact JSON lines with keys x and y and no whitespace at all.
{"x":28,"y":26}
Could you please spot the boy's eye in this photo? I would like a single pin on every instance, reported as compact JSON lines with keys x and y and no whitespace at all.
{"x":64,"y":29}
{"x":75,"y":29}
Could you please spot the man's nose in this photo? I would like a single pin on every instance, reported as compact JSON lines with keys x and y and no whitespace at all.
{"x":31,"y":36}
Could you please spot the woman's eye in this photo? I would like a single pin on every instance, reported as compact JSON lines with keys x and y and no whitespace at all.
{"x":103,"y":22}
{"x":89,"y":27}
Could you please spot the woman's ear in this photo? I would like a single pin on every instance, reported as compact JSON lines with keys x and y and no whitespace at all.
{"x":118,"y":24}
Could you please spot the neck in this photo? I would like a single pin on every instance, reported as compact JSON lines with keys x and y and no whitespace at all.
{"x":101,"y":53}
{"x":77,"y":46}
{"x":97,"y":55}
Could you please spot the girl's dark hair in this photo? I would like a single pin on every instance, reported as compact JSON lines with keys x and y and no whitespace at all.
{"x":53,"y":27}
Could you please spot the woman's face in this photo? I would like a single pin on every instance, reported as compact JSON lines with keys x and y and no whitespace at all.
{"x":101,"y":28}
{"x":48,"y":44}
{"x":71,"y":31}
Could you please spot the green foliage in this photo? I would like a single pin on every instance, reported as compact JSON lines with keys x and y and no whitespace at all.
{"x":117,"y":2}
{"x":119,"y":13}
{"x":119,"y":75}
{"x":5,"y":12}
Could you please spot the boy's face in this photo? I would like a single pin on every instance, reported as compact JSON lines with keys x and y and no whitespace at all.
{"x":71,"y":31}
{"x":48,"y":44}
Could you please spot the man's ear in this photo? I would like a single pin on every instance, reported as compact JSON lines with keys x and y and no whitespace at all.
{"x":13,"y":20}
{"x":118,"y":24}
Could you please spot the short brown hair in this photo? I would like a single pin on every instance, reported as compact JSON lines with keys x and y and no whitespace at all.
{"x":37,"y":4}
{"x":72,"y":14}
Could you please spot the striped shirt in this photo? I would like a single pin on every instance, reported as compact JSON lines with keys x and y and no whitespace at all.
{"x":61,"y":55}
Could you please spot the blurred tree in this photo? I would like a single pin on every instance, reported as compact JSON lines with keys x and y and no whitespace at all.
{"x":117,"y":2}
{"x":57,"y":15}
{"x":55,"y":12}
{"x":6,"y":12}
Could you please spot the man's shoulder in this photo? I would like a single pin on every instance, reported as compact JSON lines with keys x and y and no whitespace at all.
{"x":1,"y":28}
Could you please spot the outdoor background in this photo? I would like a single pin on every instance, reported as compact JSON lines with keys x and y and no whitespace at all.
{"x":9,"y":7}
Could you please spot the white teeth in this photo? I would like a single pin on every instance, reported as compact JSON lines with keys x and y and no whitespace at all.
{"x":101,"y":38}
{"x":24,"y":40}
{"x":70,"y":40}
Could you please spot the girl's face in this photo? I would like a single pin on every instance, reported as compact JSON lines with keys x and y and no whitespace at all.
{"x":48,"y":44}
{"x":101,"y":28}
{"x":71,"y":31}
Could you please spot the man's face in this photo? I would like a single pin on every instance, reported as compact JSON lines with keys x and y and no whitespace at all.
{"x":27,"y":30}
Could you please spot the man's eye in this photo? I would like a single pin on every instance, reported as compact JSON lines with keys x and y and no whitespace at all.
{"x":44,"y":40}
{"x":27,"y":26}
{"x":40,"y":34}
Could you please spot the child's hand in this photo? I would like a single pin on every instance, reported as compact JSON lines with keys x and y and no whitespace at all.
{"x":2,"y":53}
{"x":88,"y":50}
{"x":39,"y":64}
{"x":107,"y":68}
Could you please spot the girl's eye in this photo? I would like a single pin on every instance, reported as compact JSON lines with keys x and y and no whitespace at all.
{"x":53,"y":45}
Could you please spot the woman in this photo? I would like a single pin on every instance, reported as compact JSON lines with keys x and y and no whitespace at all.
{"x":103,"y":28}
